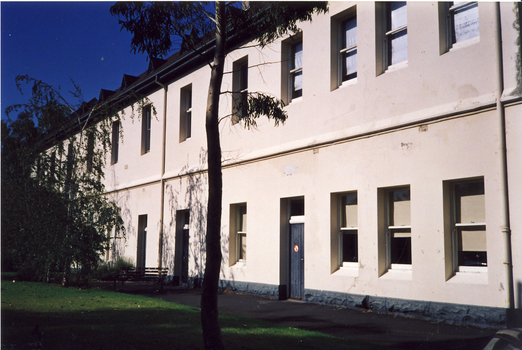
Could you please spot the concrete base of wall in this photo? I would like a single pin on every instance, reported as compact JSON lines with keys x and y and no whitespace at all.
{"x":271,"y":291}
{"x":470,"y":315}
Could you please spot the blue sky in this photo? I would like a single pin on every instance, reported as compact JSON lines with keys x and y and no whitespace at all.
{"x":56,"y":41}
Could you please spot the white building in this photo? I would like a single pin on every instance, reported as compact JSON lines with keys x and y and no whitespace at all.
{"x":394,"y":184}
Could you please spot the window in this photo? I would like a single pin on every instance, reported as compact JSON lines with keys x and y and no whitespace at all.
{"x":185,"y":122}
{"x":241,"y":231}
{"x":296,"y":70}
{"x":90,"y":151}
{"x":398,"y":228}
{"x":396,"y":33}
{"x":348,"y":49}
{"x":115,"y":141}
{"x":469,"y":224}
{"x":238,"y":233}
{"x":240,"y":89}
{"x":348,"y":240}
{"x":343,"y":54}
{"x":463,"y":23}
{"x":292,"y":71}
{"x":145,"y":129}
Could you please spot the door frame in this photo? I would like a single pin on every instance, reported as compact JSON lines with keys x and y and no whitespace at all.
{"x":141,"y":246}
{"x":289,"y":207}
{"x":296,"y":291}
{"x":181,"y":251}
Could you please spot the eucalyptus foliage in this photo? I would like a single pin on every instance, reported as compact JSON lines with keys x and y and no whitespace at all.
{"x":55,"y":215}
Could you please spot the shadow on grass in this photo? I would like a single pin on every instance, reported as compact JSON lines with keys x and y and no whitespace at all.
{"x":148,"y":328}
{"x":38,"y":316}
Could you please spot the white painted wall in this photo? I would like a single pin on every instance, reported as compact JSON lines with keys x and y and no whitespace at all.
{"x":362,"y":136}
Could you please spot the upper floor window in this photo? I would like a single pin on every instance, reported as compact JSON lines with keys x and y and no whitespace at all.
{"x":145,"y":129}
{"x":458,"y":24}
{"x":115,"y":141}
{"x":348,"y":49}
{"x":240,"y":89}
{"x":343,"y":50}
{"x":185,"y":115}
{"x":90,"y":151}
{"x":463,"y":21}
{"x":396,"y":33}
{"x":292,"y":68}
{"x":296,"y":71}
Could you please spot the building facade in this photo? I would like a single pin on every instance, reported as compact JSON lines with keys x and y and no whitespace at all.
{"x":393,"y":185}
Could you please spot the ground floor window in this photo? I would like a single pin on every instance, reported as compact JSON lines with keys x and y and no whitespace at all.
{"x":398,"y":227}
{"x":348,"y":232}
{"x":238,"y":233}
{"x":469,"y":224}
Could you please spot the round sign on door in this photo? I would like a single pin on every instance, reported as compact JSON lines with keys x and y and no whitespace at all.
{"x":296,"y":248}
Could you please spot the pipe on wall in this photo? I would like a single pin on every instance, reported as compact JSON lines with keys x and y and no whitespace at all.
{"x":504,"y":205}
{"x":163,"y":152}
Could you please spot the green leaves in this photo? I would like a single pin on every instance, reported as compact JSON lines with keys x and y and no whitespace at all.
{"x":260,"y":104}
{"x":55,"y":213}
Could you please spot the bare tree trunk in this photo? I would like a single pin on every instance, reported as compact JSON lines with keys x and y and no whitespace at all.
{"x":209,"y":297}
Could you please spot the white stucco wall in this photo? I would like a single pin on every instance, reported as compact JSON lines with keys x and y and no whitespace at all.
{"x":362,"y":136}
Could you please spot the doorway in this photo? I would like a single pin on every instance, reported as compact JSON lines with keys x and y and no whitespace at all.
{"x":292,"y":248}
{"x":141,"y":254}
{"x":181,"y":264}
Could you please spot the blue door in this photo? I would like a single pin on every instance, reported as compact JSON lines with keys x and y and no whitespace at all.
{"x":296,"y":261}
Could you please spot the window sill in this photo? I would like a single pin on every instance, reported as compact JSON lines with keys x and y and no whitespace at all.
{"x":478,"y":276}
{"x":465,"y":43}
{"x":351,"y":270}
{"x":295,"y":100}
{"x":403,"y":273}
{"x":348,"y":83}
{"x":397,"y":66}
{"x":239,"y":264}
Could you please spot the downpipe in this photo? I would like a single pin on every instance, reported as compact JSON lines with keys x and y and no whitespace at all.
{"x":505,"y":218}
{"x":163,"y":151}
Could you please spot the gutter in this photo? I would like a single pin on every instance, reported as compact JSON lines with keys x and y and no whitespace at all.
{"x":504,"y":205}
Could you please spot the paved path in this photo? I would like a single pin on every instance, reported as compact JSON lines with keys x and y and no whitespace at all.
{"x":358,"y":324}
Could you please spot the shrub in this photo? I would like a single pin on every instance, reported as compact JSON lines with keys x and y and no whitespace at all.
{"x":111,"y":270}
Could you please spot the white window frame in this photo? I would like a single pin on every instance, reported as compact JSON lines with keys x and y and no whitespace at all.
{"x":457,"y":226}
{"x":241,"y":232}
{"x":146,"y":121}
{"x":240,"y":88}
{"x":391,"y":229}
{"x":451,"y":31}
{"x":345,"y":50}
{"x":345,"y":229}
{"x":115,"y":142}
{"x":295,"y":71}
{"x":185,"y":115}
{"x":388,"y":37}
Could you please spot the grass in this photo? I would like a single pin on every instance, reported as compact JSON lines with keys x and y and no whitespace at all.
{"x":74,"y":318}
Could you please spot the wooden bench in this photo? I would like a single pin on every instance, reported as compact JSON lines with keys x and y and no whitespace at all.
{"x":143,"y":274}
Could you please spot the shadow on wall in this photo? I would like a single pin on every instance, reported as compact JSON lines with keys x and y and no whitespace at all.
{"x":188,"y":193}
{"x":119,"y":240}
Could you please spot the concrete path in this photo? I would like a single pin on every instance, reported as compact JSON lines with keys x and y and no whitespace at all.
{"x":357,"y":324}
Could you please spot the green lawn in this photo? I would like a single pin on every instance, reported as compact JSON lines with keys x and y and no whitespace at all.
{"x":73,"y":318}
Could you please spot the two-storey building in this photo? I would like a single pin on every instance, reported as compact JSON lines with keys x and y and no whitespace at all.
{"x":394,"y":184}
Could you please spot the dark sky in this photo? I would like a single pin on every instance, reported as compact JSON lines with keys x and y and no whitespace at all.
{"x":56,"y":41}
